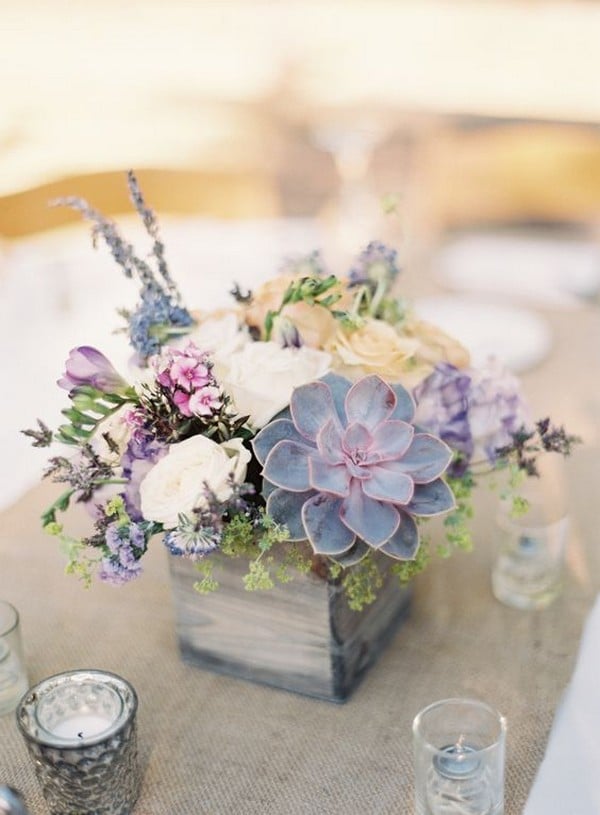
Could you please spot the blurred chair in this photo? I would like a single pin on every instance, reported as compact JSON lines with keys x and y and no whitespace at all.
{"x":220,"y":194}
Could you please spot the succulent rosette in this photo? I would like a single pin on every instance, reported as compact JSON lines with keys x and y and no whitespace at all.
{"x":345,"y":469}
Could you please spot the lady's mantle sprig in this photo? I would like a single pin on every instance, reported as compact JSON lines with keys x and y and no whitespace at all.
{"x":160,"y":315}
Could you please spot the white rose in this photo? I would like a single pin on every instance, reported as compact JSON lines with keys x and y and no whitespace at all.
{"x":119,"y":432}
{"x":262,"y":376}
{"x":176,"y":483}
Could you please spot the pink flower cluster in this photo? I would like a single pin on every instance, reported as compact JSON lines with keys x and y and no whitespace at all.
{"x":188,"y":377}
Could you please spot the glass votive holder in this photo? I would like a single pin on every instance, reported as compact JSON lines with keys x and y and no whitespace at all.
{"x":459,"y":759}
{"x":531,"y":545}
{"x":529,"y":566}
{"x":13,"y":677}
{"x":80,"y":730}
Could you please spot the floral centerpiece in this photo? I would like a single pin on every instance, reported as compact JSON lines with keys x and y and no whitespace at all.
{"x":317,"y":415}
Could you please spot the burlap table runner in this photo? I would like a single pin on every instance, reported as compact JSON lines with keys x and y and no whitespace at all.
{"x":216,"y":745}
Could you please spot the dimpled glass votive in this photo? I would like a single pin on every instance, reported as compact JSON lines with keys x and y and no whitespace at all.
{"x":80,"y":730}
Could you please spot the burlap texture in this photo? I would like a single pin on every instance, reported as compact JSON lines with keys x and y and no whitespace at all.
{"x":216,"y":745}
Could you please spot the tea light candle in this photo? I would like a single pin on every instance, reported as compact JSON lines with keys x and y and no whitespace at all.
{"x":81,"y":726}
{"x":457,"y":761}
{"x":85,"y":719}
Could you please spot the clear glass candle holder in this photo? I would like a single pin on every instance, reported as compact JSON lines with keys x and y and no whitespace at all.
{"x":13,"y":677}
{"x":531,"y":547}
{"x":80,"y":730}
{"x":459,"y":747}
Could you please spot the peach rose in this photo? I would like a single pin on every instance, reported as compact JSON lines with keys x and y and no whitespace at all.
{"x":316,"y":325}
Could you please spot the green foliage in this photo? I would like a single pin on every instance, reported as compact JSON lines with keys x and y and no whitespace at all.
{"x":361,"y":583}
{"x":258,"y":577}
{"x":207,"y":584}
{"x":313,"y":290}
{"x":79,"y":563}
{"x":405,"y":570}
{"x":457,"y":523}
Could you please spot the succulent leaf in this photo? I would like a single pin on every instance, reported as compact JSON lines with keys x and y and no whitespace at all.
{"x":397,"y":489}
{"x":312,"y":406}
{"x":391,"y":440}
{"x":287,"y":466}
{"x":426,"y":458}
{"x":430,"y":499}
{"x":325,"y":477}
{"x":354,"y":555}
{"x":405,"y":405}
{"x":356,"y":437}
{"x":373,"y":521}
{"x":404,"y":542}
{"x":370,"y":401}
{"x":321,"y":518}
{"x":276,"y":431}
{"x":286,"y":509}
{"x":329,"y":443}
{"x":339,"y":386}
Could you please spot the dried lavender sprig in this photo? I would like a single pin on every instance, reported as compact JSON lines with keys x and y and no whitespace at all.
{"x":122,"y":251}
{"x":151,"y":224}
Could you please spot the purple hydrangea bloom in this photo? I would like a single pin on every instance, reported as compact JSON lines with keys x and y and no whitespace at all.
{"x":348,"y":472}
{"x":126,"y":545}
{"x":474,"y":411}
{"x":88,"y":366}
{"x":497,"y":409}
{"x":443,"y":409}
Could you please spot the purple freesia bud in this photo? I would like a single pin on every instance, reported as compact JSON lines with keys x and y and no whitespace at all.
{"x":87,"y":366}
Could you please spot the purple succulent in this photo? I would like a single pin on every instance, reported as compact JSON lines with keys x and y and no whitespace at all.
{"x":88,"y":366}
{"x":345,"y":469}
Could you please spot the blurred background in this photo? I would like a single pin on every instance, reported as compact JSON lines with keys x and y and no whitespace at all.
{"x":466,"y":133}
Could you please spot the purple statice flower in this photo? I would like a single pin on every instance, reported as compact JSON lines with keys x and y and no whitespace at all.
{"x":377,"y":263}
{"x":88,"y":366}
{"x":187,"y":377}
{"x":125,"y":545}
{"x":443,"y":409}
{"x":153,"y":321}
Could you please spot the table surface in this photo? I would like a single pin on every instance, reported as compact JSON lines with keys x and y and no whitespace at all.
{"x":211,"y":744}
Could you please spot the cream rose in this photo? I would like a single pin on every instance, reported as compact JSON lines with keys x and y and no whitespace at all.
{"x":176,"y":484}
{"x":376,"y":348}
{"x":262,"y":376}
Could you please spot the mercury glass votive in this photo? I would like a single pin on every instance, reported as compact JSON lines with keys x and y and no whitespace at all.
{"x":459,"y":759}
{"x":80,"y":730}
